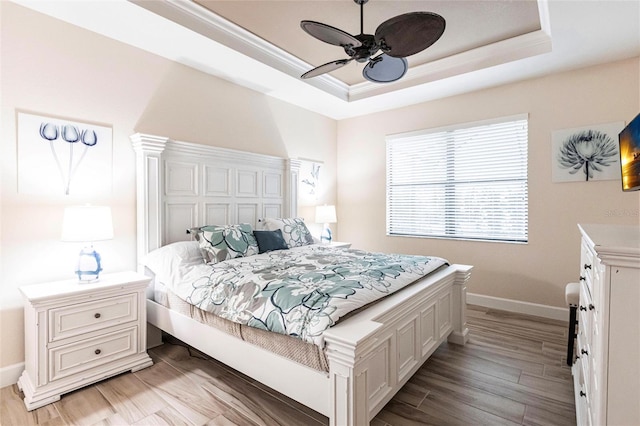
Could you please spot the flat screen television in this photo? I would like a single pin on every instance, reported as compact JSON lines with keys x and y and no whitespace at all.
{"x":629,"y":140}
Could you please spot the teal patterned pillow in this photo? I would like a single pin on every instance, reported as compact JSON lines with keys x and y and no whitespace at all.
{"x":219,"y":243}
{"x":294,"y":231}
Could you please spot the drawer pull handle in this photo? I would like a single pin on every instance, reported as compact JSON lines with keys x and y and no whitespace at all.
{"x":584,"y":352}
{"x":582,"y":278}
{"x":587,"y":266}
{"x":97,"y":315}
{"x":582,"y":393}
{"x":591,"y":307}
{"x":582,"y":308}
{"x":98,"y":351}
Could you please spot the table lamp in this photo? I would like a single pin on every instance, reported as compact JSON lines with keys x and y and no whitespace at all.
{"x":326,"y":215}
{"x":87,"y":224}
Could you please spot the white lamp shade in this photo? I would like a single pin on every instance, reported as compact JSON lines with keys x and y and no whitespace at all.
{"x":326,"y":214}
{"x":87,"y":223}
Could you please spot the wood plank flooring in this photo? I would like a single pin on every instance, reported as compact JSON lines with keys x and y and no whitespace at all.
{"x":511,"y":372}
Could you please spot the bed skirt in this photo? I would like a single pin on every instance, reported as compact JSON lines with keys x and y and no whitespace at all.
{"x":304,"y":353}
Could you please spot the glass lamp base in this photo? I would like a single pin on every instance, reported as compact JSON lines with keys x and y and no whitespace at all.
{"x":325,"y":237}
{"x":89,"y":266}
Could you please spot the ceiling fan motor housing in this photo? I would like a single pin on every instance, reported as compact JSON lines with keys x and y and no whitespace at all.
{"x":362,"y":53}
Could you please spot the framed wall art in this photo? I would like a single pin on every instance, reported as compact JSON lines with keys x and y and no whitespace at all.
{"x":309,"y":182}
{"x":57,"y":156}
{"x":586,"y":154}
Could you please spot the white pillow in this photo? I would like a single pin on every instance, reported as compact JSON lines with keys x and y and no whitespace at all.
{"x":261,"y":226}
{"x":173,"y":258}
{"x":294,"y":231}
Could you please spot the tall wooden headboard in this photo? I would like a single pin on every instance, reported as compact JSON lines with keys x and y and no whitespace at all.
{"x":181,"y":185}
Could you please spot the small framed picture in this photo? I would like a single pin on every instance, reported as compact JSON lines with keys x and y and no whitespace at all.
{"x":586,"y":154}
{"x":66,"y":157}
{"x":309,"y":182}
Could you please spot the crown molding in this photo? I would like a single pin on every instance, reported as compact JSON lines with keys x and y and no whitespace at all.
{"x":512,"y":49}
{"x":209,"y":24}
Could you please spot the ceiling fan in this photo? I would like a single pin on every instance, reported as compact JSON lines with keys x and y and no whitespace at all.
{"x":401,"y":36}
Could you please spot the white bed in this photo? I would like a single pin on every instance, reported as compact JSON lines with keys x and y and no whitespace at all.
{"x":370,"y":355}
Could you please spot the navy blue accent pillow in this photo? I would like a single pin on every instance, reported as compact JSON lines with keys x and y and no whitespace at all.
{"x":270,"y":240}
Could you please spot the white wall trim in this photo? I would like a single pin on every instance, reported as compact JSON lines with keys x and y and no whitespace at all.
{"x":545,"y":311}
{"x":10,"y":374}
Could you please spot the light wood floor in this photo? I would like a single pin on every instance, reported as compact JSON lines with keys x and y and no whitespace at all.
{"x":512,"y":371}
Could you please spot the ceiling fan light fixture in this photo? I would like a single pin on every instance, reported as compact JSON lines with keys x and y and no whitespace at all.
{"x":385,"y":69}
{"x":398,"y":37}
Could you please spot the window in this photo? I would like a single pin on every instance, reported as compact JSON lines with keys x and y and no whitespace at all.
{"x":465,"y":182}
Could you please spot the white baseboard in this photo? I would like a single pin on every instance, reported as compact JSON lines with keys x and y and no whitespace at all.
{"x":518,"y":306}
{"x":10,"y":374}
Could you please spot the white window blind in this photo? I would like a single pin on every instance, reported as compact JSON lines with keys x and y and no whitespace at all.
{"x":466,"y":182}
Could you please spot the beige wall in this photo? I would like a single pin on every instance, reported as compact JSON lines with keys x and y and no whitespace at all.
{"x":52,"y":68}
{"x":538,"y":271}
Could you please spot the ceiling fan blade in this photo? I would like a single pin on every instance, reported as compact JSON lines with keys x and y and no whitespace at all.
{"x":410,"y":33}
{"x":328,"y":67}
{"x":329,"y":34}
{"x":385,"y":69}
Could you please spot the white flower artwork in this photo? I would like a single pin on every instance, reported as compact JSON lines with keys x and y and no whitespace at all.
{"x":63,"y":157}
{"x":586,"y":154}
{"x":309,"y":182}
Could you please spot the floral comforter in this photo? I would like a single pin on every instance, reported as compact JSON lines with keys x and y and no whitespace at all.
{"x":301,"y":291}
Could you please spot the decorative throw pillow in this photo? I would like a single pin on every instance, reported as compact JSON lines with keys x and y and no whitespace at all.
{"x":270,"y":240}
{"x":294,"y":231}
{"x":219,"y":243}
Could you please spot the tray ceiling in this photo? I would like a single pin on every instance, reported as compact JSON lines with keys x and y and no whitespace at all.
{"x":260,"y":45}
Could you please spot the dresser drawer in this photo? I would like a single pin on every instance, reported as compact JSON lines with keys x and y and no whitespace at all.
{"x":86,"y":354}
{"x":581,"y":401}
{"x":587,"y":260}
{"x":72,"y":320}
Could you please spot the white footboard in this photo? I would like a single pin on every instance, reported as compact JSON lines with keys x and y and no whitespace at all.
{"x":371,"y":354}
{"x":374,"y":353}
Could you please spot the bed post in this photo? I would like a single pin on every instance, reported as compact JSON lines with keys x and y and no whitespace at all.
{"x":148,"y":149}
{"x":460,"y":333}
{"x":149,"y":173}
{"x":349,"y":404}
{"x":291,"y":191}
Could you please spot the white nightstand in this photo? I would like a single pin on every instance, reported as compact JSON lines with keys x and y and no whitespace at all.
{"x":78,"y":333}
{"x":338,"y":244}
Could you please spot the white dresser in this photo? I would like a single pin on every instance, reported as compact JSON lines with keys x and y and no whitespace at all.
{"x":77,"y":334}
{"x":607,"y":372}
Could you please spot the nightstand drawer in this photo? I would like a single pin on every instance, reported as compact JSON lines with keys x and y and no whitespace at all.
{"x":84,"y":355}
{"x":83,"y":318}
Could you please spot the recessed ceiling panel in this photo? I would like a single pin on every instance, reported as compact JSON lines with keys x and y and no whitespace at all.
{"x":469,"y":25}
